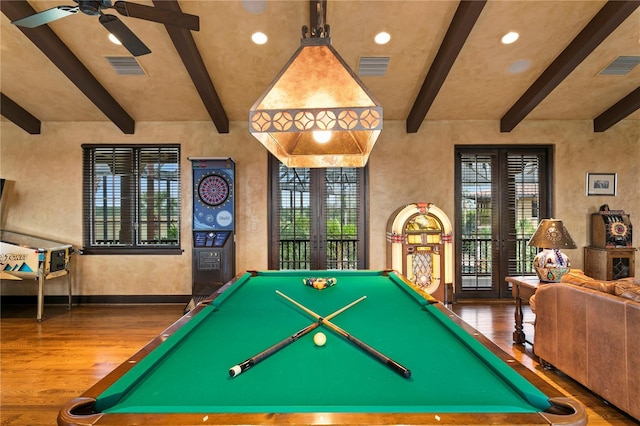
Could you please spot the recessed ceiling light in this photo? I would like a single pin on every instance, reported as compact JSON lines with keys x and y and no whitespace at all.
{"x":382,"y":37}
{"x":254,"y":6}
{"x":114,"y":40}
{"x":510,"y":37}
{"x":259,"y":38}
{"x":519,"y":66}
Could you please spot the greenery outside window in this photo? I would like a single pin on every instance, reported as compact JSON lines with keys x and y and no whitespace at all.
{"x":131,"y":199}
{"x":318,"y":217}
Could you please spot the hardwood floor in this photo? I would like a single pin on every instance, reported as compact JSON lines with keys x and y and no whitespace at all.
{"x":44,"y":365}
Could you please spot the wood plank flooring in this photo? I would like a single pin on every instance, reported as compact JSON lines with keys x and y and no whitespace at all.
{"x":44,"y":365}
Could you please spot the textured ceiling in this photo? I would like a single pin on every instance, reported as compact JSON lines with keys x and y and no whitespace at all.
{"x":478,"y":86}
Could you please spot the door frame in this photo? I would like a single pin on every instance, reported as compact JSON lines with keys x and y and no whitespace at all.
{"x":503,"y":244}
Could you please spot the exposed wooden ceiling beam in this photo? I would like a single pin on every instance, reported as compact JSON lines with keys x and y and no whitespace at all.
{"x":618,"y":111}
{"x":19,"y":115}
{"x":188,"y":51}
{"x":51,"y":45}
{"x":612,"y":14}
{"x":463,"y":21}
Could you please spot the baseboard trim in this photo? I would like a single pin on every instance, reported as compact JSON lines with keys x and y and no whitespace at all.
{"x":98,"y":299}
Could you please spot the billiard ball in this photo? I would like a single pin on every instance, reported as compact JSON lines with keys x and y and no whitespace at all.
{"x":319,"y":339}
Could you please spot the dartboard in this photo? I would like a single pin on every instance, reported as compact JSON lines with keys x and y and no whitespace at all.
{"x":213,"y":189}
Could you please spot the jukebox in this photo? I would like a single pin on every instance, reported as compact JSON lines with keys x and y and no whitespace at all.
{"x":213,"y":225}
{"x":421,"y":248}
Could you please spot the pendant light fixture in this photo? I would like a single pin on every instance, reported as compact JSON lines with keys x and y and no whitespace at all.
{"x":317,"y":112}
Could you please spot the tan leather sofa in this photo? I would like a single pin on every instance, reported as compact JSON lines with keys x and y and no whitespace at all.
{"x":590,"y":330}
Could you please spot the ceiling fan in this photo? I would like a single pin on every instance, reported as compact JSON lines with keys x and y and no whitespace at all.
{"x":112,"y":23}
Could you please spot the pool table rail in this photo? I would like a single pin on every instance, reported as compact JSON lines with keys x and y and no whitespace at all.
{"x":564,"y":411}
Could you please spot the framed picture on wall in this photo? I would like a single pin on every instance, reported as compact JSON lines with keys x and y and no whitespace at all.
{"x":601,"y":183}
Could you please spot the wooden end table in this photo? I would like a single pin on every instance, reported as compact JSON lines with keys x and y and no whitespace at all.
{"x":522,"y":288}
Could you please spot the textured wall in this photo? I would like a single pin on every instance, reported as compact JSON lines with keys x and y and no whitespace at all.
{"x":406,"y":168}
{"x":44,"y":196}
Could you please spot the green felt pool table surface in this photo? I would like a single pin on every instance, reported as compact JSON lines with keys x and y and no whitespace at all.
{"x":453,"y":374}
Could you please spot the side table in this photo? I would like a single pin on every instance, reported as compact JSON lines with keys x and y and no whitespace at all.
{"x":522,"y":288}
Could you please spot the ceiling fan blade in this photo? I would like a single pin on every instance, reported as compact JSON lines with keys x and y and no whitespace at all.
{"x":162,"y":16}
{"x":115,"y":26}
{"x":46,"y":16}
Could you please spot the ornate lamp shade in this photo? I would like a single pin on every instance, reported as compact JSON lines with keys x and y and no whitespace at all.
{"x":551,"y":264}
{"x":316,"y":94}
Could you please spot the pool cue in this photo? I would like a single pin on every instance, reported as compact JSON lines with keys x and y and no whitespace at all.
{"x":398,"y":368}
{"x":244,"y":366}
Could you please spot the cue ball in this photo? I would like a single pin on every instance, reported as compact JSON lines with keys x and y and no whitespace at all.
{"x":319,"y":339}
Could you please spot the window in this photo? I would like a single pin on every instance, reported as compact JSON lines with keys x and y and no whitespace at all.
{"x":318,"y":218}
{"x":131,"y":199}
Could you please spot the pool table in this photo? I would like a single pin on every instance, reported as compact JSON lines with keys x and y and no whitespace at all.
{"x":457,"y":376}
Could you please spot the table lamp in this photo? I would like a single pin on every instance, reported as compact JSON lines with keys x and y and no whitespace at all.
{"x":551,"y":236}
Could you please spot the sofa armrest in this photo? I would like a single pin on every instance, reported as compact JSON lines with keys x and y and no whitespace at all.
{"x":584,"y":333}
{"x":561,"y":329}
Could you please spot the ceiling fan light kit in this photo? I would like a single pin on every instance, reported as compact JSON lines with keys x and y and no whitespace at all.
{"x":112,"y":23}
{"x":124,"y":35}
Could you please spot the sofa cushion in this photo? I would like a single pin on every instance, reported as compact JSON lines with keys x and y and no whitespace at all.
{"x":604,"y":286}
{"x":575,"y":276}
{"x":628,"y":290}
{"x":631,"y":280}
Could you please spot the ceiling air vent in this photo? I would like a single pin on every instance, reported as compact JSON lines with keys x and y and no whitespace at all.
{"x":621,"y":66}
{"x":373,"y":66}
{"x":125,"y":65}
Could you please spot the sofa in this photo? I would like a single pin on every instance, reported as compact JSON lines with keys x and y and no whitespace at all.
{"x":590,"y":330}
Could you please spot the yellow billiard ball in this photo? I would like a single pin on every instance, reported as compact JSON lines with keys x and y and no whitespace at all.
{"x":319,"y":339}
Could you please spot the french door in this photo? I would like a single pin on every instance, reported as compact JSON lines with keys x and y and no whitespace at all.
{"x":501,"y":194}
{"x":317,"y":217}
